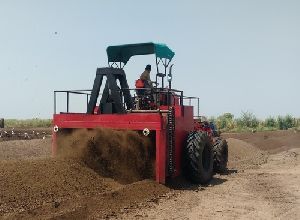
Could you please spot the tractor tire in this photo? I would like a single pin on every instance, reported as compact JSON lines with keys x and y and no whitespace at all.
{"x":220,"y":151}
{"x":198,"y":158}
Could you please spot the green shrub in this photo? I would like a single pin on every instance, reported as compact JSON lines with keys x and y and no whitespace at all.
{"x":225,"y":121}
{"x":289,"y":121}
{"x":248,"y":119}
{"x":297,"y":122}
{"x":284,"y":123}
{"x":280,"y":123}
{"x":270,"y":122}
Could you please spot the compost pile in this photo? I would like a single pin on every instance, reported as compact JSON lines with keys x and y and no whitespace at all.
{"x":243,"y":155}
{"x":92,"y":170}
{"x":125,"y":156}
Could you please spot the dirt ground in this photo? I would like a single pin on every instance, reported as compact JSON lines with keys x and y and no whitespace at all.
{"x":262,"y":183}
{"x":7,"y":134}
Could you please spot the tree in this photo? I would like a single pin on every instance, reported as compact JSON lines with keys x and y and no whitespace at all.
{"x":248,"y":119}
{"x":225,"y":121}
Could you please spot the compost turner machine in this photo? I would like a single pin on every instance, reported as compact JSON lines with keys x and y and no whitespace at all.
{"x":183,"y":143}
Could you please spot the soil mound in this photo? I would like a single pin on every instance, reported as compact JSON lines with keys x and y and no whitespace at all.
{"x":286,"y":159}
{"x":74,"y":184}
{"x":125,"y":156}
{"x":27,"y":184}
{"x":243,"y":155}
{"x":106,"y":205}
{"x":270,"y":141}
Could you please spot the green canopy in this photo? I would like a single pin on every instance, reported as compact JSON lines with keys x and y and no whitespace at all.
{"x":122,"y":53}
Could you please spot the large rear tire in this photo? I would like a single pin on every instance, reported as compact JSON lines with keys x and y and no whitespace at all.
{"x":220,"y":150}
{"x":198,"y":157}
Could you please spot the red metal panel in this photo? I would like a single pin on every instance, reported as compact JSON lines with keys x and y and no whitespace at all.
{"x":132,"y":121}
{"x":138,"y":121}
{"x":184,"y":124}
{"x":160,"y":160}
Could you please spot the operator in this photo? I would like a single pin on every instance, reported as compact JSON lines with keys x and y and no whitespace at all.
{"x":145,"y":77}
{"x":148,"y":84}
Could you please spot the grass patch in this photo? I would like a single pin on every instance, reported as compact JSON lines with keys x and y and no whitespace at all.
{"x":27,"y":123}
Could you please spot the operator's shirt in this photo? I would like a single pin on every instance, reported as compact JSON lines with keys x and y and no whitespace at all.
{"x":145,"y":76}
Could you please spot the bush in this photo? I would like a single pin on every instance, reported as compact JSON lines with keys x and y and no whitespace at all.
{"x":286,"y":122}
{"x":270,"y":122}
{"x":289,"y":121}
{"x":248,"y":120}
{"x":225,"y":121}
{"x":297,"y":123}
{"x":280,"y":123}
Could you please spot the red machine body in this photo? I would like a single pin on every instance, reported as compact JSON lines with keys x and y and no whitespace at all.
{"x":159,"y":110}
{"x":154,"y":121}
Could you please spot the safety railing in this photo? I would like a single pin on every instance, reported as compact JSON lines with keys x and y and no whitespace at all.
{"x":190,"y":99}
{"x":156,"y":92}
{"x":86,"y":92}
{"x":169,"y":93}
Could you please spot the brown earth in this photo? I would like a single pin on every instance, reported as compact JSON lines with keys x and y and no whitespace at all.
{"x":270,"y":141}
{"x":8,"y":134}
{"x":259,"y":184}
{"x":25,"y":149}
{"x":262,"y":183}
{"x":76,"y":183}
{"x":29,"y":184}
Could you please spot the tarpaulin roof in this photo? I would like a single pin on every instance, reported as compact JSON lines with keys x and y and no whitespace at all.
{"x":122,"y":53}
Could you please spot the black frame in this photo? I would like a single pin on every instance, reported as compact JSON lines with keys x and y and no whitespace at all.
{"x":190,"y":98}
{"x":86,"y":92}
{"x":166,"y":62}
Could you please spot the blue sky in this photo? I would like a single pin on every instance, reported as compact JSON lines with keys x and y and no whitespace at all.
{"x":235,"y":55}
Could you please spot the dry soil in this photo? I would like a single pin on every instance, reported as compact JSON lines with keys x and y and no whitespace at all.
{"x":262,"y":183}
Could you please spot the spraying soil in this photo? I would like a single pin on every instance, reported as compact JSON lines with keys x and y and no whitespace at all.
{"x":125,"y":156}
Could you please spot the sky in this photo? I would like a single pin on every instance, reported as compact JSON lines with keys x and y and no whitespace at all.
{"x":236,"y":55}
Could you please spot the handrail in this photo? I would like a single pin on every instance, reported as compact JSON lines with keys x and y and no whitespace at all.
{"x":68,"y":92}
{"x":190,"y":103}
{"x":156,"y":91}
